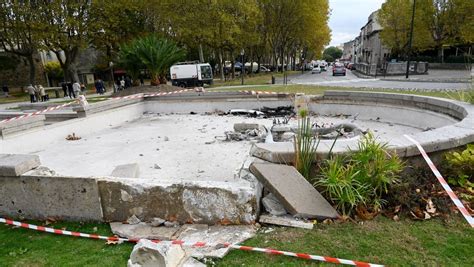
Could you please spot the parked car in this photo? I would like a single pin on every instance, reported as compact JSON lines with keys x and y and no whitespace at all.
{"x":264,"y":69}
{"x":351,"y":66}
{"x":316,"y":69}
{"x":338,"y":69}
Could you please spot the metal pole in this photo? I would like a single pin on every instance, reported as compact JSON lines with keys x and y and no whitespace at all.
{"x":411,"y":39}
{"x":242,"y":69}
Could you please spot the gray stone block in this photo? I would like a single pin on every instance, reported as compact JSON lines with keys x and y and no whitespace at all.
{"x":242,"y":127}
{"x":42,"y":197}
{"x":143,"y":230}
{"x":17,"y":164}
{"x":206,"y":202}
{"x":296,"y":194}
{"x":127,"y":170}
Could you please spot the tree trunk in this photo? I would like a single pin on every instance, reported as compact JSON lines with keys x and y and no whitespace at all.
{"x":233,"y":65}
{"x":258,"y":63}
{"x":221,"y":65}
{"x":31,"y":63}
{"x":201,"y":54}
{"x":441,"y":53}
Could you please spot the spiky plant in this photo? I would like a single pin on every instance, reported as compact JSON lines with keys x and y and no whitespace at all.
{"x":305,"y":145}
{"x":156,"y":54}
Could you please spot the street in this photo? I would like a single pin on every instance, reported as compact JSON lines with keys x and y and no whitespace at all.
{"x":351,"y":80}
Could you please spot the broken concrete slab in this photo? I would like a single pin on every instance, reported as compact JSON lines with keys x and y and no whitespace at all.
{"x":131,"y":170}
{"x":242,"y":127}
{"x":296,"y":194}
{"x":273,"y":206}
{"x":197,"y":202}
{"x":143,"y":230}
{"x":192,"y":262}
{"x":17,"y":164}
{"x":214,"y":235}
{"x":147,"y":254}
{"x":42,"y":197}
{"x":285,"y":220}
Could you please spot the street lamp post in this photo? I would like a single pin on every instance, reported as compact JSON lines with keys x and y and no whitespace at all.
{"x":242,"y":68}
{"x":111,"y":65}
{"x":411,"y":39}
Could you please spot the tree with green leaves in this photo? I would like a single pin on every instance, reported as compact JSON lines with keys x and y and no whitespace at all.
{"x":67,"y":30}
{"x":20,"y":31}
{"x":332,"y":53}
{"x":395,"y":19}
{"x":156,"y":54}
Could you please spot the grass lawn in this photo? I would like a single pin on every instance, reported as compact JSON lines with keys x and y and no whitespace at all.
{"x":383,"y":241}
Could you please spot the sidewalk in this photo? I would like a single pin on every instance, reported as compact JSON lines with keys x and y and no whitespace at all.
{"x":440,"y":76}
{"x":6,"y":106}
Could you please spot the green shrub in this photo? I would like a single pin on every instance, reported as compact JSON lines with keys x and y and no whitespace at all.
{"x":461,"y":167}
{"x":362,"y":178}
{"x":305,"y":145}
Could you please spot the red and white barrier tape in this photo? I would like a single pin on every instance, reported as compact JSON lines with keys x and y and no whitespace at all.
{"x":37,"y":112}
{"x":190,"y":244}
{"x":443,"y":183}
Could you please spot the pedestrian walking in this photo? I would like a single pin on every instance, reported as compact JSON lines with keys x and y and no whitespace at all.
{"x":42,"y":93}
{"x":76,"y":88}
{"x":37,"y":93}
{"x":122,"y":84}
{"x":31,"y":91}
{"x":128,"y":82}
{"x":99,"y":87}
{"x":141,"y":81}
{"x":5,"y":89}
{"x":70,"y":90}
{"x":64,"y":86}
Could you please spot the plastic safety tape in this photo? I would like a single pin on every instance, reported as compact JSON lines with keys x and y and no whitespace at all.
{"x":190,"y":244}
{"x":37,"y":112}
{"x":443,"y":183}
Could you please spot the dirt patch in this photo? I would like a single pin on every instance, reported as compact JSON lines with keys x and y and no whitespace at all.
{"x":147,"y":89}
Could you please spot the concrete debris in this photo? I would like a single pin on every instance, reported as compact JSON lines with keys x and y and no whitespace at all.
{"x":273,"y":206}
{"x":166,"y":138}
{"x":147,"y":254}
{"x":210,"y":142}
{"x":155,"y":222}
{"x":296,"y":194}
{"x":171,"y":224}
{"x":41,"y":171}
{"x":285,"y":220}
{"x":17,"y":164}
{"x":143,"y":230}
{"x":281,"y":111}
{"x":133,"y":220}
{"x":156,"y":166}
{"x":126,"y":170}
{"x":192,"y":262}
{"x":242,"y":127}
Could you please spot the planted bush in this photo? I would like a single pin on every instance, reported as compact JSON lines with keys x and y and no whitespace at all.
{"x":360,"y":180}
{"x":461,"y":167}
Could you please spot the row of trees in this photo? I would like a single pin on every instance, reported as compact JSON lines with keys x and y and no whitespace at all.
{"x":279,"y":31}
{"x":437,"y":24}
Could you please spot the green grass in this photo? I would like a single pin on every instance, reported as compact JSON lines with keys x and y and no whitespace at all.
{"x":383,"y":241}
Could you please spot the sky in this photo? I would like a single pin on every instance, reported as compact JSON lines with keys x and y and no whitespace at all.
{"x":348,"y":16}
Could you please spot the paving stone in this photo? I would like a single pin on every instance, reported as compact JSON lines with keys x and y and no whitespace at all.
{"x":294,"y":192}
{"x":242,"y":127}
{"x":17,"y":164}
{"x":126,"y":170}
{"x":285,"y":220}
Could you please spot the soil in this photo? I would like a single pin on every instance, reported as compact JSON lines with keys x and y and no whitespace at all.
{"x":147,"y":89}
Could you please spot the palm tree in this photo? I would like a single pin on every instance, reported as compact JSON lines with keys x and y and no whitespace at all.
{"x":156,"y":54}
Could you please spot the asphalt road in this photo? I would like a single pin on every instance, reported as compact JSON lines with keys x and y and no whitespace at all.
{"x":350,"y":80}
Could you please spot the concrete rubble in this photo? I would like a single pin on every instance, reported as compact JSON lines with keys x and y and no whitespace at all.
{"x":212,"y":235}
{"x":17,"y":164}
{"x":147,"y":254}
{"x":273,"y":206}
{"x":285,"y":220}
{"x":131,"y":170}
{"x":296,"y":194}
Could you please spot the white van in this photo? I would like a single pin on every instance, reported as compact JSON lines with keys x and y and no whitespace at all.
{"x":189,"y":74}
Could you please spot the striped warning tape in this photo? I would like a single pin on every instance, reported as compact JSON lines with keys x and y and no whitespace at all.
{"x":38,"y":112}
{"x":443,"y":183}
{"x":190,"y":244}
